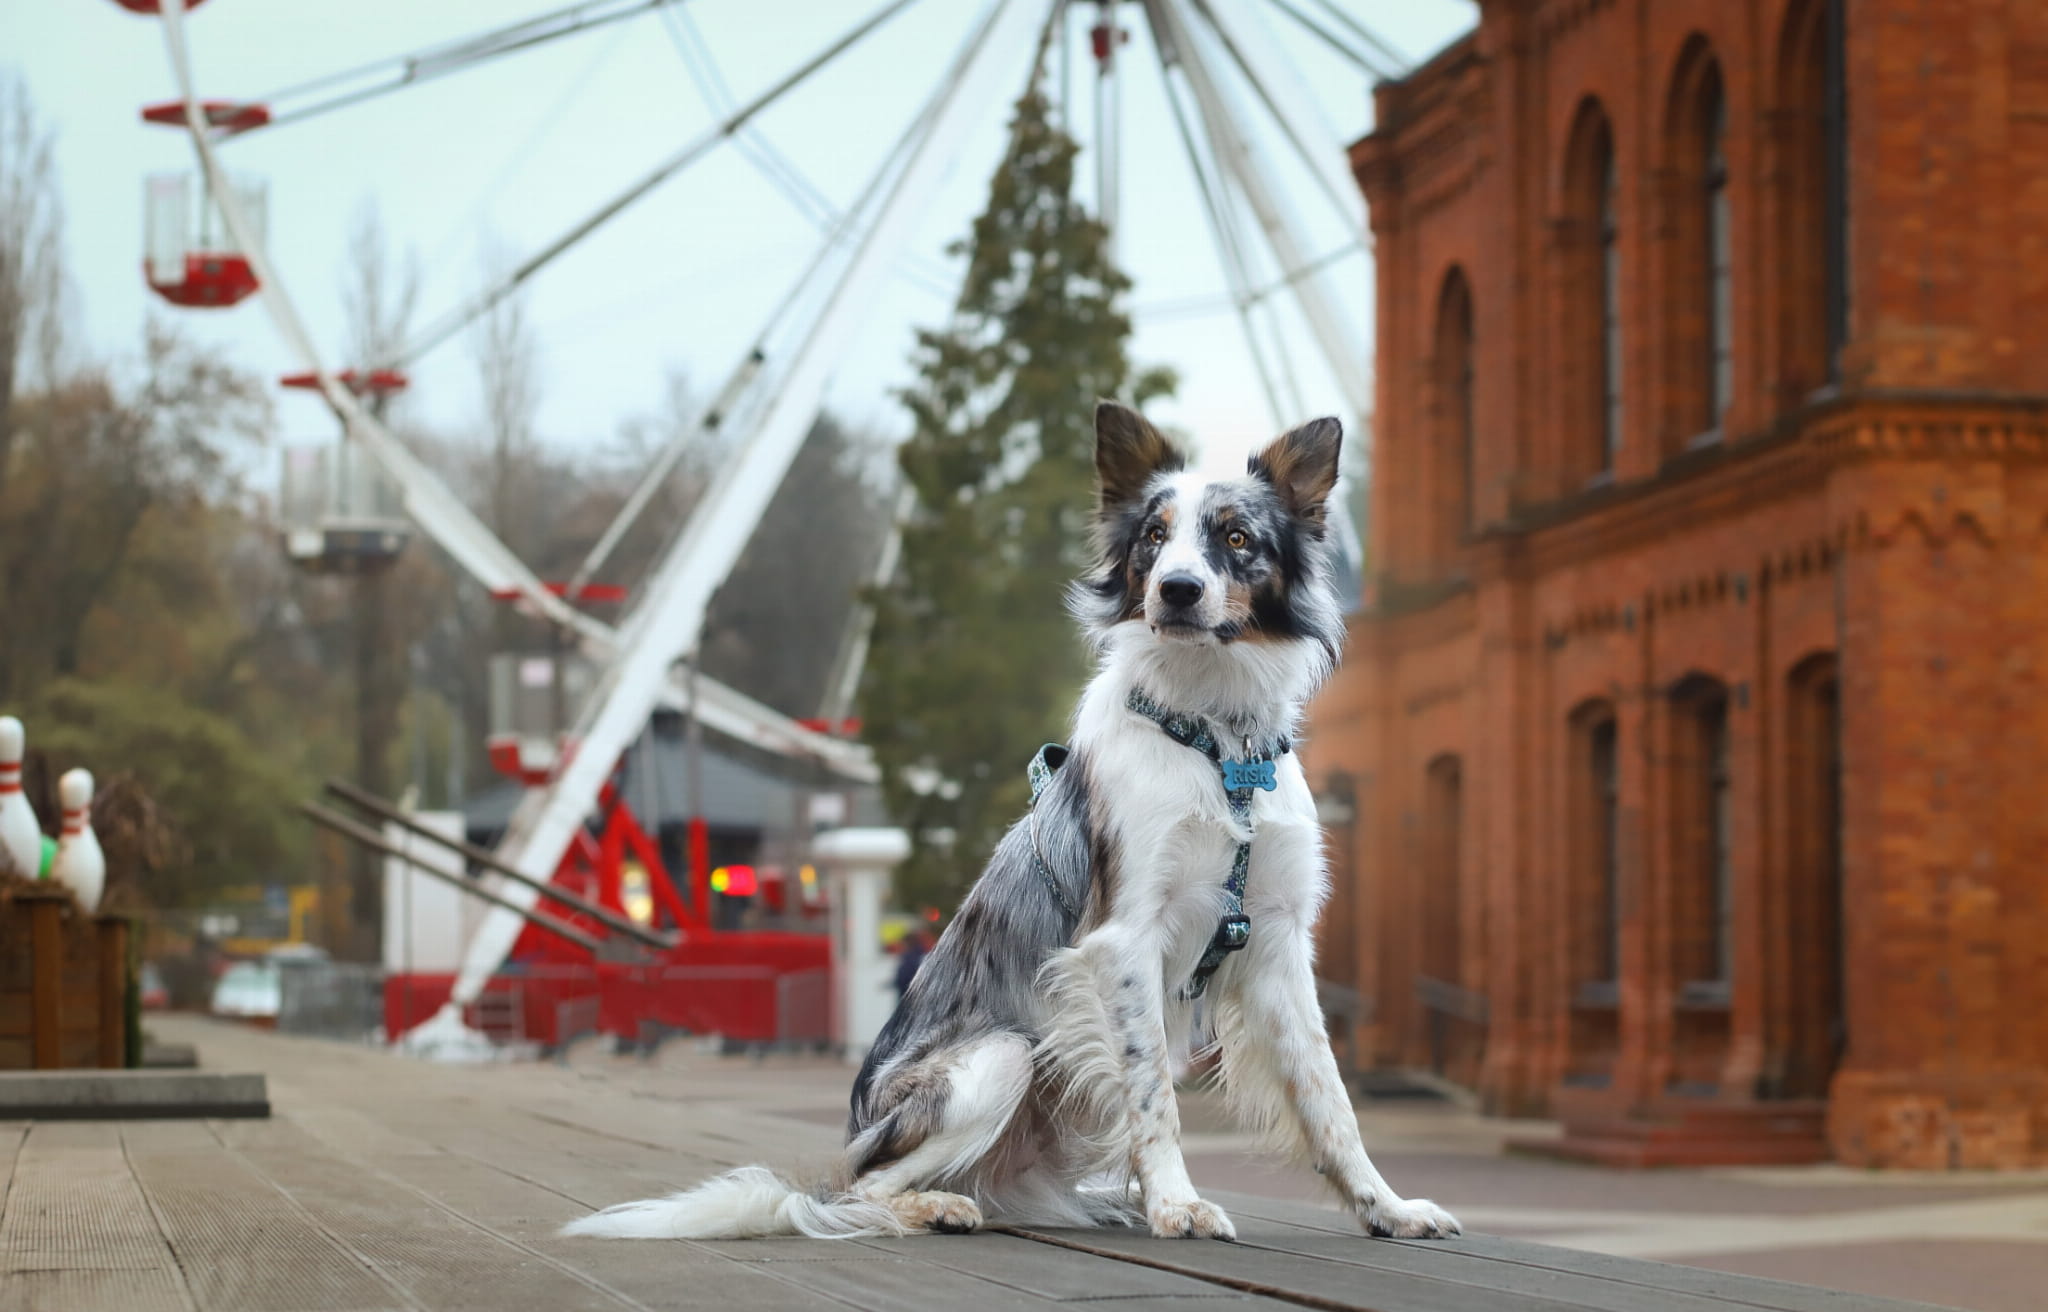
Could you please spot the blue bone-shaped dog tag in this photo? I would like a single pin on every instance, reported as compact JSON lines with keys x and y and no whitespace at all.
{"x":1250,"y":774}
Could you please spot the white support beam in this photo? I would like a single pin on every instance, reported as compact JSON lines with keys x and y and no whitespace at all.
{"x":438,"y":511}
{"x":665,"y":623}
{"x":1277,"y":83}
{"x":1223,"y":119}
{"x":1222,"y":116}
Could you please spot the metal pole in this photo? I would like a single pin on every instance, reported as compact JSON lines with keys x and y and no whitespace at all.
{"x":371,"y":839}
{"x":699,"y":830}
{"x":488,"y":859}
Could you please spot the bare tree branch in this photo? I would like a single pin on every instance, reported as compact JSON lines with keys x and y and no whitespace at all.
{"x":32,"y":280}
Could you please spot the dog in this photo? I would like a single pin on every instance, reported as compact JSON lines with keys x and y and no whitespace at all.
{"x":1171,"y":863}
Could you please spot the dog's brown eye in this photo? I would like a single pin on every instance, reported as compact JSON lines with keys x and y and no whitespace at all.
{"x":1155,"y":535}
{"x":1237,"y":539}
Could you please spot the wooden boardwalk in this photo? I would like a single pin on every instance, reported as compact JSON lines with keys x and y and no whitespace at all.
{"x":388,"y":1184}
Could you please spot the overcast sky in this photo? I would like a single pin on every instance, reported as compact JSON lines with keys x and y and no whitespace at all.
{"x":511,"y":153}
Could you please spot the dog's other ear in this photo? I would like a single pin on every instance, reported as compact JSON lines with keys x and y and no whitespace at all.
{"x":1128,"y":452}
{"x":1302,"y":464}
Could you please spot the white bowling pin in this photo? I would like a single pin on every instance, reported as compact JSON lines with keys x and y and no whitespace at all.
{"x":21,"y":837}
{"x":79,"y":864}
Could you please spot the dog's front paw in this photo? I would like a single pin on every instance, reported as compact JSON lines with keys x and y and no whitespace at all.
{"x":1194,"y":1219}
{"x":1414,"y":1218}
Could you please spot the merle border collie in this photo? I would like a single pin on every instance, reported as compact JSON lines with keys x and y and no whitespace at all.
{"x":1161,"y":893}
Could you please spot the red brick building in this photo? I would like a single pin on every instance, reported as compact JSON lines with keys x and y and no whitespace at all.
{"x":1693,"y":732}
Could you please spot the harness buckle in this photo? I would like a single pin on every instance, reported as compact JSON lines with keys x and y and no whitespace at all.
{"x":1233,"y":931}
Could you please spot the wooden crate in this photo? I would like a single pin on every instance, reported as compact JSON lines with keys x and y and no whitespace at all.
{"x":64,"y":983}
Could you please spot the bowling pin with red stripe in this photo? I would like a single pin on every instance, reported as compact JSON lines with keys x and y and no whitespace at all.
{"x":21,"y":837}
{"x":80,"y":864}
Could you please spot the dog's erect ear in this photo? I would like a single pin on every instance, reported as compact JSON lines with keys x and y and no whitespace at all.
{"x":1128,"y":452}
{"x":1302,"y":464}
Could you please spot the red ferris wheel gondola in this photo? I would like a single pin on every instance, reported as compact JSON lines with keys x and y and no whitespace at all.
{"x":189,"y":258}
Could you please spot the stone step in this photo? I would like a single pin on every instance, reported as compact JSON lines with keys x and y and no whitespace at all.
{"x":1677,"y":1133}
{"x":1633,"y":1152}
{"x":97,"y":1095}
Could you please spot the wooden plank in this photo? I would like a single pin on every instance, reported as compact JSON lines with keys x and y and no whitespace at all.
{"x":1457,"y":1262}
{"x":48,"y":934}
{"x":1519,"y":1256}
{"x":442,"y":1261}
{"x":242,"y":1244}
{"x":1262,"y":1267}
{"x":892,"y":1284}
{"x":1672,"y":1278}
{"x":589,"y":1169}
{"x":1024,"y":1265}
{"x":77,"y":1233}
{"x":641,"y":1273}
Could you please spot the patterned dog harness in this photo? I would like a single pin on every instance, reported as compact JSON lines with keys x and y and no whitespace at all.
{"x":1239,"y":777}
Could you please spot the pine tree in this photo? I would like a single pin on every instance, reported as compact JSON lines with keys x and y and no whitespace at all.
{"x":975,"y":662}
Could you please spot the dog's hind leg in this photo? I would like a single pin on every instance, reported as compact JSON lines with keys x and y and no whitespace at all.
{"x":944,"y":1115}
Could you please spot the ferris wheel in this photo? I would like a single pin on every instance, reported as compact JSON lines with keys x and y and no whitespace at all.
{"x":205,"y":248}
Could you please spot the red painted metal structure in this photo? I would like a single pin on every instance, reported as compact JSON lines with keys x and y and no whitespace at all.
{"x":752,"y":986}
{"x":210,"y":275}
{"x":228,"y":115}
{"x":377,"y":382}
{"x":212,"y":281}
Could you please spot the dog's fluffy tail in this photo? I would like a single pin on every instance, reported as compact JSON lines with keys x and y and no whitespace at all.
{"x":746,"y":1203}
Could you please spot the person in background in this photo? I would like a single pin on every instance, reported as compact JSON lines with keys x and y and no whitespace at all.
{"x":915,"y":944}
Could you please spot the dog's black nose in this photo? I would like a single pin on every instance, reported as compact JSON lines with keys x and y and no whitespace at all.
{"x":1180,"y":589}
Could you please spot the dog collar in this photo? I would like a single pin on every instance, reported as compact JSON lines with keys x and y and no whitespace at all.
{"x":1239,"y":776}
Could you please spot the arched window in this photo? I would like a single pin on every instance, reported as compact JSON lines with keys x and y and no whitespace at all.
{"x":1594,"y":837}
{"x":1719,"y":271}
{"x":1809,"y":186}
{"x":1453,"y":1013}
{"x":1455,"y":456}
{"x":1697,"y":263}
{"x":1591,"y":282}
{"x":1443,"y":824}
{"x":1701,"y":811}
{"x":1816,"y":1035}
{"x":1610,"y":308}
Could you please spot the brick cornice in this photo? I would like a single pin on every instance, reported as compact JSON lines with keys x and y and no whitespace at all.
{"x":1387,"y":630}
{"x":1560,"y":18}
{"x":1920,"y":426}
{"x":1792,"y":458}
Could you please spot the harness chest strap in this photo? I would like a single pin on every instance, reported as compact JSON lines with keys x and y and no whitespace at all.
{"x":1239,"y":779}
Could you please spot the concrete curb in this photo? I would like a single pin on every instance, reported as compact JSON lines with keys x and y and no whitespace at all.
{"x":96,"y":1095}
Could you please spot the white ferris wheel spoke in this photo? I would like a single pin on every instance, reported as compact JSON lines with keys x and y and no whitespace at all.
{"x":664,"y":624}
{"x":438,"y":511}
